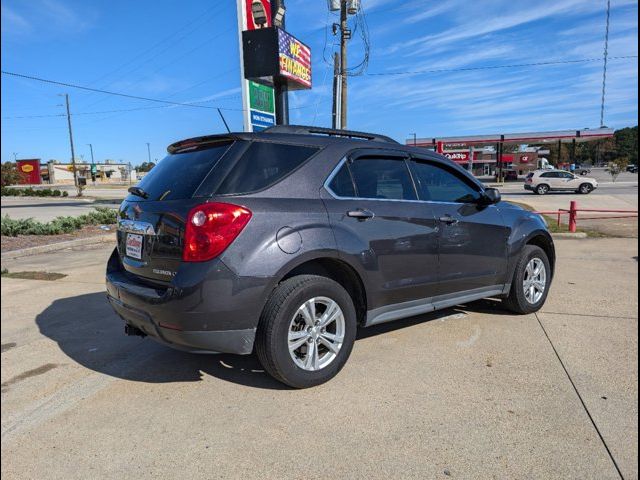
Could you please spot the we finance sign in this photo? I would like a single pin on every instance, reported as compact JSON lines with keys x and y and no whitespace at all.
{"x":295,"y":59}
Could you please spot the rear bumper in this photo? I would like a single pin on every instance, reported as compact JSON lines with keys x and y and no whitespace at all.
{"x":528,"y":187}
{"x":206,"y":308}
{"x":205,"y":341}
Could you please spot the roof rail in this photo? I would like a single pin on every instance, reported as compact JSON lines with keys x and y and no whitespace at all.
{"x":304,"y":130}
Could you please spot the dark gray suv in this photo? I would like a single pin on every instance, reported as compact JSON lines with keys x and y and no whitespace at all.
{"x":290,"y":239}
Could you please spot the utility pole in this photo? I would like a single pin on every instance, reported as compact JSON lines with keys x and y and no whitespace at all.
{"x":280,"y":91}
{"x":94,"y":169}
{"x":149,"y":152}
{"x":91,"y":148}
{"x":415,"y":139}
{"x":344,"y":34}
{"x":335,"y":114}
{"x":73,"y":154}
{"x":604,"y":65}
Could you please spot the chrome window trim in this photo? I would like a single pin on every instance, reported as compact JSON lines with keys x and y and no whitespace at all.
{"x":337,"y":168}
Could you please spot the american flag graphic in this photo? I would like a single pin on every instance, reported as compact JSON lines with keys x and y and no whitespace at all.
{"x":295,"y":59}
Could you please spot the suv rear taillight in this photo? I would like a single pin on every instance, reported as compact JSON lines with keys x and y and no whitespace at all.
{"x":210,"y":229}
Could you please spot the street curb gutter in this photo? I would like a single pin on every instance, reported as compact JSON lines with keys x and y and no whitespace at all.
{"x":52,"y":247}
{"x":576,"y":236}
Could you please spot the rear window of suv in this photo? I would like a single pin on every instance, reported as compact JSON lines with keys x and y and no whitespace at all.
{"x":262,"y":165}
{"x":178,"y":176}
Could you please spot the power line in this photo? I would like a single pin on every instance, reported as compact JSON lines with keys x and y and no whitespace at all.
{"x":119,"y":110}
{"x":203,"y":16}
{"x":491,"y":67}
{"x":107,"y":92}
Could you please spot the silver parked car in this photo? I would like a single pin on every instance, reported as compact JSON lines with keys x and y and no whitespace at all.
{"x":544,"y":181}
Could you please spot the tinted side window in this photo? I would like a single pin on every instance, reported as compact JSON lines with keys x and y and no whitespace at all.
{"x":262,"y":165}
{"x":342,"y":185}
{"x":177,"y":176}
{"x":549,"y":175}
{"x":565,"y":175}
{"x":439,"y":185}
{"x":382,"y":178}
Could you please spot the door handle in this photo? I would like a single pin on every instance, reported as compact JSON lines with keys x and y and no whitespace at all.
{"x":360,"y":214}
{"x":449,"y":220}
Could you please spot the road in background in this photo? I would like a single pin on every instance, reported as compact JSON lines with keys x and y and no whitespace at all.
{"x":44,"y":209}
{"x":469,"y":392}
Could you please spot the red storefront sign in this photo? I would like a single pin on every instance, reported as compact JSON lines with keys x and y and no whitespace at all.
{"x":30,"y":170}
{"x":461,"y":157}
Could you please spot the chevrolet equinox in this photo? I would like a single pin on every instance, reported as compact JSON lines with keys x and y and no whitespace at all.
{"x":290,"y":239}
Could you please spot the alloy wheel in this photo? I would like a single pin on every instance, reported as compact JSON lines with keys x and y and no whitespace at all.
{"x":316,"y":333}
{"x":535,"y":280}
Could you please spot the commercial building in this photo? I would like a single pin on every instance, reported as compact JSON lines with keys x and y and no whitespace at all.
{"x":508,"y":152}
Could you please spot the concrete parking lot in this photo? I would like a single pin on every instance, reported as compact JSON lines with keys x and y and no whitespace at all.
{"x":470,"y":392}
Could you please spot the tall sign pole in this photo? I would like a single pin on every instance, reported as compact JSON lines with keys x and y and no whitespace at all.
{"x":280,"y":90}
{"x":258,"y":101}
{"x":242,"y":25}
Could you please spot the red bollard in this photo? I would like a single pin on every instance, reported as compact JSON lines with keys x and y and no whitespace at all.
{"x":573,"y":213}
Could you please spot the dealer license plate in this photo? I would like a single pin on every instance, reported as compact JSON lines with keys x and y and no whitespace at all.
{"x":134,"y":245}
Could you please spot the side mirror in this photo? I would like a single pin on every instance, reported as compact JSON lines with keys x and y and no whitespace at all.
{"x":491,"y":196}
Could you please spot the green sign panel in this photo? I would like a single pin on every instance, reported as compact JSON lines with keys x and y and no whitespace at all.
{"x":94,"y":168}
{"x":261,"y":97}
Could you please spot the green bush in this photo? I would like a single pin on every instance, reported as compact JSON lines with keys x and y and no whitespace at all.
{"x":29,"y":226}
{"x":33,"y":192}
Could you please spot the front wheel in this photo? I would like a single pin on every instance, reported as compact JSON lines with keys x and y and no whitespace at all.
{"x":306,"y":331}
{"x":542,"y":189}
{"x":585,"y":188}
{"x":531,"y":281}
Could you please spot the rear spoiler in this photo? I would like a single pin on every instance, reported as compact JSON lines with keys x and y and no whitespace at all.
{"x":199,"y":142}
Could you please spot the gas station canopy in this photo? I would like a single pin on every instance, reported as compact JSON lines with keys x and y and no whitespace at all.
{"x":564,"y":136}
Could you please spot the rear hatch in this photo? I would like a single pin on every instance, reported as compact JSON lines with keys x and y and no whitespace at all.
{"x":153,"y":218}
{"x":151,"y":221}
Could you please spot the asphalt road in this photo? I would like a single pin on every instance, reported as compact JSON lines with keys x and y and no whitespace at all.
{"x":471,"y":392}
{"x":44,"y":209}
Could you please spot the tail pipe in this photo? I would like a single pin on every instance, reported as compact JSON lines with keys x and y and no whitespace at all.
{"x":133,"y":331}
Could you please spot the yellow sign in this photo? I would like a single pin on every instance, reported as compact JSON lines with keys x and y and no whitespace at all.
{"x":27,"y":168}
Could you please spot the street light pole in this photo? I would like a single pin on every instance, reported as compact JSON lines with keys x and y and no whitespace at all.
{"x":91,"y":148}
{"x":15,"y":156}
{"x":73,"y":154}
{"x":149,"y":152}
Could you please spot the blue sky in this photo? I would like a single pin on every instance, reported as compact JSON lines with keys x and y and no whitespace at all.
{"x":188,"y":52}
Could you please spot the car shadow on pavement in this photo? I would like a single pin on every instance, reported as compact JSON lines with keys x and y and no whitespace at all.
{"x":88,"y":331}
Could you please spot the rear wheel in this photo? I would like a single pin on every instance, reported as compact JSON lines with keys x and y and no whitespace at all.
{"x":306,"y":331}
{"x":531,"y":281}
{"x":585,"y":188}
{"x":542,"y":189}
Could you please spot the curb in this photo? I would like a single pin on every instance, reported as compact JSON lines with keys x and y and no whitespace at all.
{"x":574,"y":236}
{"x":52,"y":247}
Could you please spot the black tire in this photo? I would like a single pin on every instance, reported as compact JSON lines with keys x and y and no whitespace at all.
{"x":542,"y":189}
{"x":516,"y":301}
{"x":273,"y":328}
{"x":585,"y":189}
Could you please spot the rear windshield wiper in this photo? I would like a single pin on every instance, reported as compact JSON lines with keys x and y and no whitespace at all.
{"x":137,"y":191}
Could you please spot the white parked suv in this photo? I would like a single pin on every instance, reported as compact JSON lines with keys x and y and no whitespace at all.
{"x":544,"y":181}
